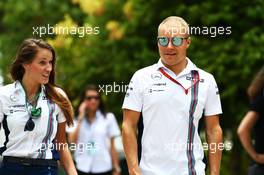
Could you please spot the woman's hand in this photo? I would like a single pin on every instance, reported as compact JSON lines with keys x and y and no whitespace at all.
{"x":65,"y":155}
{"x":115,"y":173}
{"x":259,"y":158}
{"x":135,"y":171}
{"x":82,"y":110}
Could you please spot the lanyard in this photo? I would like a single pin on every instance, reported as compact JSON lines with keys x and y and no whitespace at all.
{"x":31,"y":108}
{"x":196,"y":79}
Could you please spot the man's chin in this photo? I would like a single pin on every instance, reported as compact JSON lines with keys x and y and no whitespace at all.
{"x":170,"y":61}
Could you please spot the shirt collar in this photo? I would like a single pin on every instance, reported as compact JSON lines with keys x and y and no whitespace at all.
{"x":189,"y":67}
{"x":19,"y":88}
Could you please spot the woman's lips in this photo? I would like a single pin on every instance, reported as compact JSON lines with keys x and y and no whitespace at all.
{"x":45,"y":76}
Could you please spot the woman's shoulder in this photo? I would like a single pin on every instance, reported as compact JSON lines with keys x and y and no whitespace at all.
{"x":61,"y":91}
{"x":110,"y":114}
{"x":105,"y":115}
{"x":110,"y":117}
{"x":7,"y":89}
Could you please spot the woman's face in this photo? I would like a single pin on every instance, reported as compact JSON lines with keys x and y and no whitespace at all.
{"x":40,"y":68}
{"x":92,"y":100}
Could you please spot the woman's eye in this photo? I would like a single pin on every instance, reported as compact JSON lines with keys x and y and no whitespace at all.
{"x":42,"y":62}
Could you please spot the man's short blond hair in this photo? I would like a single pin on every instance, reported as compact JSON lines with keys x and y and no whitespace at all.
{"x":175,"y":21}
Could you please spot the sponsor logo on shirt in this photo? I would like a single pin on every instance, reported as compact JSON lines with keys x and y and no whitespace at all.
{"x":156,"y":76}
{"x":44,"y":98}
{"x":155,"y":90}
{"x":17,"y":108}
{"x":159,"y":84}
{"x":14,"y":97}
{"x":191,"y":79}
{"x":217,"y":91}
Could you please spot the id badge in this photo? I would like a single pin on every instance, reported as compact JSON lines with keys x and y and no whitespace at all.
{"x":91,"y":149}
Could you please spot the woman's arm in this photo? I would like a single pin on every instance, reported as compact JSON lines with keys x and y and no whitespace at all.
{"x":73,"y":136}
{"x":115,"y":159}
{"x":65,"y":155}
{"x":244,"y":133}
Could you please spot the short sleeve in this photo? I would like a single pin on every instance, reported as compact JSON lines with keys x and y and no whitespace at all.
{"x":1,"y":112}
{"x":257,"y":104}
{"x":134,"y":98}
{"x":113,"y":128}
{"x":70,"y":129}
{"x":213,"y":103}
{"x":61,"y":117}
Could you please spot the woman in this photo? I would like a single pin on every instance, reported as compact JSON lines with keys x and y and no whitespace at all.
{"x":95,"y":129}
{"x":254,"y":119}
{"x":33,"y":113}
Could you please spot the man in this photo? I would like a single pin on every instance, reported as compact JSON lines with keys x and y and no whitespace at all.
{"x":172,"y":95}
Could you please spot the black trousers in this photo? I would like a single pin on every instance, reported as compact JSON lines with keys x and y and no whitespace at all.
{"x":256,"y":169}
{"x":105,"y":173}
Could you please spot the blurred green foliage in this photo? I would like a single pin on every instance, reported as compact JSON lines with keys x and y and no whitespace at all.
{"x":127,"y":42}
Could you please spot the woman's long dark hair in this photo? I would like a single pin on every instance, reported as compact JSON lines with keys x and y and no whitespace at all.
{"x":93,"y":88}
{"x":26,"y":54}
{"x":256,"y":85}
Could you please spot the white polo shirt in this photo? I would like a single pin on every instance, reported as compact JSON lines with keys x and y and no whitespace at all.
{"x":93,"y":145}
{"x":13,"y":118}
{"x":168,"y":127}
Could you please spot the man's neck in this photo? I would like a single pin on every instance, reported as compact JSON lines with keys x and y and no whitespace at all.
{"x":177,"y":68}
{"x":31,"y":88}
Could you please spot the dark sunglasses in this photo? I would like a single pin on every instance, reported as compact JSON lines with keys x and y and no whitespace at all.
{"x":34,"y":114}
{"x":176,"y":41}
{"x":91,"y":97}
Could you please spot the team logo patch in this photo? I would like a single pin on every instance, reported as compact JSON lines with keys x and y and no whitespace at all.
{"x":190,"y":78}
{"x":156,"y":76}
{"x":159,"y":84}
{"x":44,"y":98}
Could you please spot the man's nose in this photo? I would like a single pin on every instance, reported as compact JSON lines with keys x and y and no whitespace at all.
{"x":170,"y":45}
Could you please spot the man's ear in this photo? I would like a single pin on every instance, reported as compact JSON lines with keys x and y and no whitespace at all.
{"x":188,"y":42}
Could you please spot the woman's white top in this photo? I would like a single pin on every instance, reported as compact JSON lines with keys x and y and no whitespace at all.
{"x":93,"y":145}
{"x":13,"y":117}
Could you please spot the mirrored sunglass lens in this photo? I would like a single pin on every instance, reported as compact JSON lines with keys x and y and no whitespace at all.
{"x":176,"y":41}
{"x":163,"y":41}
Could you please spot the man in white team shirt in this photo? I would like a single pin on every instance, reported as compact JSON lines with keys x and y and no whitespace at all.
{"x":172,"y":96}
